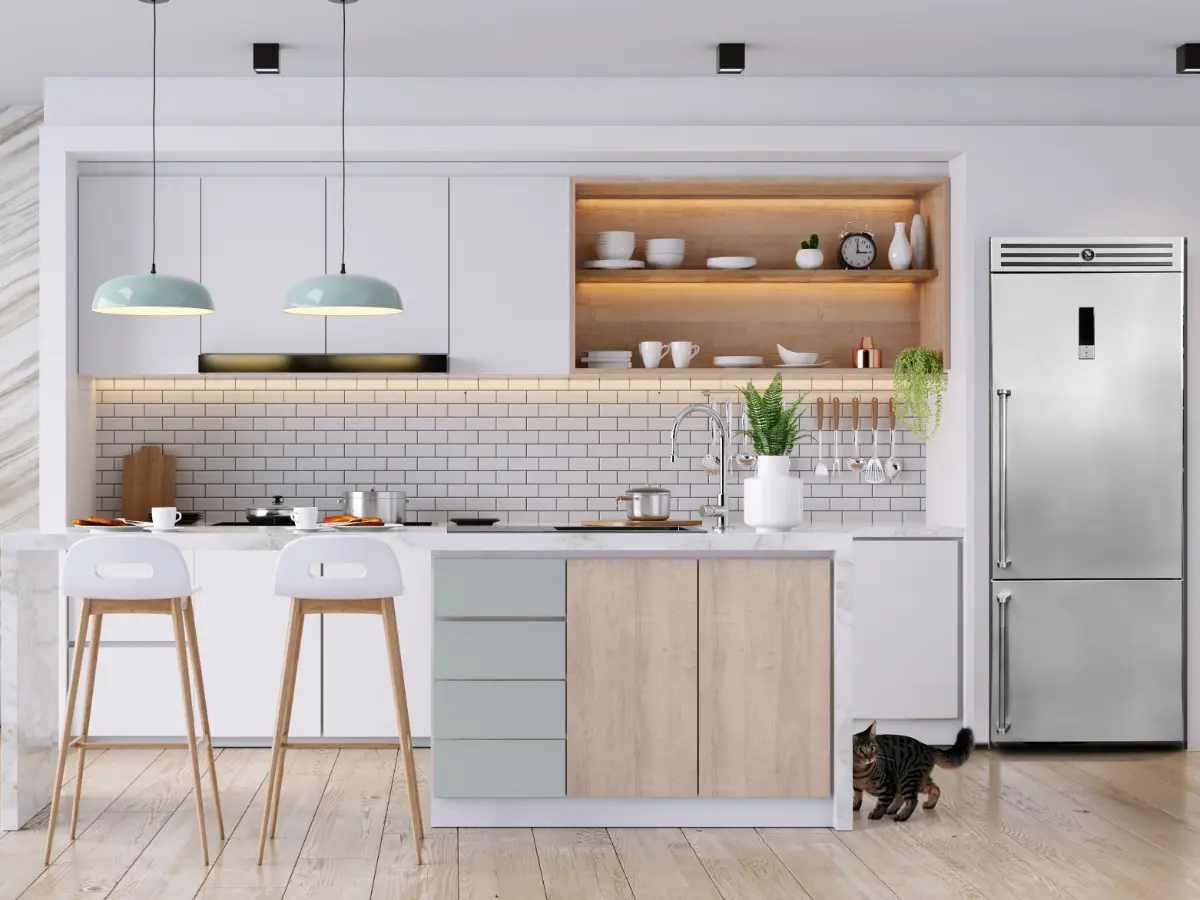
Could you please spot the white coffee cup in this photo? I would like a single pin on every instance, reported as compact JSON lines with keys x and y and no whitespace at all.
{"x":305,"y":516}
{"x":652,"y":353}
{"x":683,"y":352}
{"x":165,"y":517}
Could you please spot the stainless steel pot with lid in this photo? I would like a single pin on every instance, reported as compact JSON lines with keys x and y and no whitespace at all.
{"x":274,"y":513}
{"x":646,"y":504}
{"x":386,"y":505}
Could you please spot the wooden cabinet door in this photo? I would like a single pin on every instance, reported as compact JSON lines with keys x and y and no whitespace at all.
{"x":115,"y":229}
{"x":907,"y":630}
{"x":765,"y":678}
{"x":511,"y":276}
{"x":631,"y":678}
{"x":396,"y":229}
{"x":260,"y":236}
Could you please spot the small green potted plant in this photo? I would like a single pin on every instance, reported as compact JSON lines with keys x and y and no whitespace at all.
{"x":920,"y":385}
{"x":809,"y":255}
{"x":774,"y":497}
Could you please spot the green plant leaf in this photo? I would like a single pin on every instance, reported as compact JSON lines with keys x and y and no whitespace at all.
{"x":773,"y":429}
{"x":920,"y":386}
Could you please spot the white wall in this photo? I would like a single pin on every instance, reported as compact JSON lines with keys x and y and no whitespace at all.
{"x":1113,"y":170}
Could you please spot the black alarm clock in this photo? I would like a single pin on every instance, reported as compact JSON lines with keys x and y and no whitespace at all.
{"x":857,"y":250}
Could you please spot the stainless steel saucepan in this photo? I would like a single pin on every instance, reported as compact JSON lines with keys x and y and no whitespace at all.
{"x":386,"y":505}
{"x":647,"y":504}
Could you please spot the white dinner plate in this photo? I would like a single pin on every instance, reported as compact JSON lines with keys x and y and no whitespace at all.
{"x":615,"y":264}
{"x":109,"y":529}
{"x":725,"y":362}
{"x":300,"y":530}
{"x":816,"y":365}
{"x":356,"y":528}
{"x":731,"y":262}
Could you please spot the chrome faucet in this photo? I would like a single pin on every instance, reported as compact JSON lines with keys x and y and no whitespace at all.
{"x":720,"y":511}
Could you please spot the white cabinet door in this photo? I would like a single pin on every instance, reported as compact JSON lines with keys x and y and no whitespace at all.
{"x":511,"y":274}
{"x":241,"y":627}
{"x":114,"y":239}
{"x":137,"y":695}
{"x":260,"y":236}
{"x":396,"y":229}
{"x":357,"y":688}
{"x":906,"y":629}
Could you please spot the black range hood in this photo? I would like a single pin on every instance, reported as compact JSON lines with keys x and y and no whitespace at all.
{"x":315,"y":363}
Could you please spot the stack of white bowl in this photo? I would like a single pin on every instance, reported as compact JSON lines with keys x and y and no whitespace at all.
{"x":615,"y":244}
{"x":664,"y":253}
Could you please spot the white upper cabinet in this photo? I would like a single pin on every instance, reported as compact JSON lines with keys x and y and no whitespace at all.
{"x":396,"y":229}
{"x":115,"y":216}
{"x":510,"y":276}
{"x":261,"y":235}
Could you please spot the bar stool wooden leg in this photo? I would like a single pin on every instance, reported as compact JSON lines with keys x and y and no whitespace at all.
{"x":85,"y":607}
{"x":292,"y":647}
{"x":85,"y":719}
{"x":189,"y":722}
{"x":189,"y":625}
{"x":288,"y":702}
{"x":400,"y":698}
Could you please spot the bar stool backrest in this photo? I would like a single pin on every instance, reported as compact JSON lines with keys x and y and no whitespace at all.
{"x":337,"y":567}
{"x":139,"y":567}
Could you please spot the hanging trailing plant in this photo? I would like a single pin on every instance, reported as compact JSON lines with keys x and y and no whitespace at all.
{"x":774,"y":428}
{"x":920,"y":385}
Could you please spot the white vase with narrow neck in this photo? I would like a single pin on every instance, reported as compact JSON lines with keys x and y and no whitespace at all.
{"x":900,"y":253}
{"x":920,"y":243}
{"x":774,"y":496}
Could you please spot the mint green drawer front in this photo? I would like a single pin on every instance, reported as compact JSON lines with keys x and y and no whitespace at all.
{"x":500,"y":709}
{"x":498,"y":651}
{"x":499,"y":768}
{"x":500,"y":588}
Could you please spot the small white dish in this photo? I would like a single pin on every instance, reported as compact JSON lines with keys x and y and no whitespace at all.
{"x":731,"y":262}
{"x":725,"y":362}
{"x":109,"y":529}
{"x":299,"y":530}
{"x":154,"y":530}
{"x":614,"y":264}
{"x":357,"y":528}
{"x":794,"y":358}
{"x":815,"y":365}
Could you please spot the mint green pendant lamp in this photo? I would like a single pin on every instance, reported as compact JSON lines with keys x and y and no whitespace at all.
{"x":153,"y":294}
{"x":342,"y":294}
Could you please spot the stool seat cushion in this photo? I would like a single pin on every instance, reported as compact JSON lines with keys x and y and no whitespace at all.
{"x":125,"y":567}
{"x":338,"y":567}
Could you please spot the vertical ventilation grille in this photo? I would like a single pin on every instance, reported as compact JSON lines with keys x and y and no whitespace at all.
{"x":1082,"y":254}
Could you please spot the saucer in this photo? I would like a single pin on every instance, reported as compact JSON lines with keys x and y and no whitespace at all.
{"x":297,"y":528}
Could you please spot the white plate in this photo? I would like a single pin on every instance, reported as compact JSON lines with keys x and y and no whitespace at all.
{"x":356,"y":528}
{"x":615,"y":264}
{"x":725,"y":362}
{"x":109,"y":529}
{"x":816,"y":365}
{"x":731,"y":262}
{"x":154,"y":530}
{"x":299,"y":530}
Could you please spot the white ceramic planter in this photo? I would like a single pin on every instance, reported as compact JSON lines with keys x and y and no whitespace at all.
{"x":810,"y":259}
{"x":774,"y":496}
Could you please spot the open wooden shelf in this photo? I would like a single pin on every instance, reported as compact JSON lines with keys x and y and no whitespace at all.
{"x":754,"y":276}
{"x":763,"y":372}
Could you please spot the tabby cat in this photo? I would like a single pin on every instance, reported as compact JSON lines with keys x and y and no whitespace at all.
{"x":895,"y":768}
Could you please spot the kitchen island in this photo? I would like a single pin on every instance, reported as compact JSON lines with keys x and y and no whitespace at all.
{"x":676,"y":652}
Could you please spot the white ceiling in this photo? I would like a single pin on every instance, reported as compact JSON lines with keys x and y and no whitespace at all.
{"x":40,"y":38}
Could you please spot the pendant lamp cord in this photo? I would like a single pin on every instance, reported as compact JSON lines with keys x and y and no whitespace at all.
{"x":154,"y":145}
{"x":343,"y":137}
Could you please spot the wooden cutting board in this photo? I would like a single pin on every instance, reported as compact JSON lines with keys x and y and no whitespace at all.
{"x":148,"y":480}
{"x":626,"y":523}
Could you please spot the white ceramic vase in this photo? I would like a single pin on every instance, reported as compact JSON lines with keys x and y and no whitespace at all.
{"x":774,"y":496}
{"x":920,"y":246}
{"x":810,"y":258}
{"x":900,"y":252}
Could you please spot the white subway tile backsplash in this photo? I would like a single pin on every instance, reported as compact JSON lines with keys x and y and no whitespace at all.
{"x":547,"y":450}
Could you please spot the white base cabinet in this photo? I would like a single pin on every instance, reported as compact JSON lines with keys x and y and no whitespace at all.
{"x":907,"y":629}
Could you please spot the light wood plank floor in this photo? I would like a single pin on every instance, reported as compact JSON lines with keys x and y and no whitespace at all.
{"x":1071,"y":826}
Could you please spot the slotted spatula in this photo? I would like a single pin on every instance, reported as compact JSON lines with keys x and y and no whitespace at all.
{"x":821,"y":470}
{"x":874,"y":471}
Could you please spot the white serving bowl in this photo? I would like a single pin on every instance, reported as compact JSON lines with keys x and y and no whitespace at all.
{"x":792,"y":358}
{"x":731,"y":262}
{"x":615,"y":244}
{"x":658,"y":259}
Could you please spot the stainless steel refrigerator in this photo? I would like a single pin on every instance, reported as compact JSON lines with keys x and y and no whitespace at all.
{"x":1087,"y":447}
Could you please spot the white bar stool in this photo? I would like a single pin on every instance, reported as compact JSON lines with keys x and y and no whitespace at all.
{"x":166,"y":589}
{"x":329,"y":575}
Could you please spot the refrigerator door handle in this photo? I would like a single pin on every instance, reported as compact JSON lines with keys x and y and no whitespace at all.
{"x":1002,"y":724}
{"x":1002,"y":560}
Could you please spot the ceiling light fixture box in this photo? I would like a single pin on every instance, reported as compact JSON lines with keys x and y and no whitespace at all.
{"x":266,"y":59}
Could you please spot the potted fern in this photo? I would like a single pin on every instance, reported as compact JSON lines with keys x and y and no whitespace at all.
{"x":774,"y":497}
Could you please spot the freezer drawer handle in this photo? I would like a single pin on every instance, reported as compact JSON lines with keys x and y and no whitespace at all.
{"x":1002,"y":560}
{"x":1002,"y":725}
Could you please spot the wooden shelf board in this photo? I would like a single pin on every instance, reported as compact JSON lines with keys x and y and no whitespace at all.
{"x":767,"y":372}
{"x":753,"y":276}
{"x":754,"y":189}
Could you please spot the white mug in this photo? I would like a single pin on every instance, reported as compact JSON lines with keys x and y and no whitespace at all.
{"x":683,"y":352}
{"x":652,"y":353}
{"x":165,"y":517}
{"x":305,"y":516}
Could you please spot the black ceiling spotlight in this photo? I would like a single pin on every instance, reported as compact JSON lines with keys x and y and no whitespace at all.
{"x":731,"y":59}
{"x":266,"y":59}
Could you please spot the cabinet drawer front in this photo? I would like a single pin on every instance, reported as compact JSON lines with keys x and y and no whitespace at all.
{"x":499,"y":768}
{"x":500,"y":709}
{"x":491,"y":651}
{"x":500,"y":588}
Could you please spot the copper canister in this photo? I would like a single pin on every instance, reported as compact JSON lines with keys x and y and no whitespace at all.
{"x":868,"y":356}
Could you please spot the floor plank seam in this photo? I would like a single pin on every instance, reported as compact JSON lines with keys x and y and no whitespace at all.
{"x":700,"y":859}
{"x":538,"y":857}
{"x":866,"y":865}
{"x":287,"y":887}
{"x":387,"y":808}
{"x":229,"y":833}
{"x":620,"y":862}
